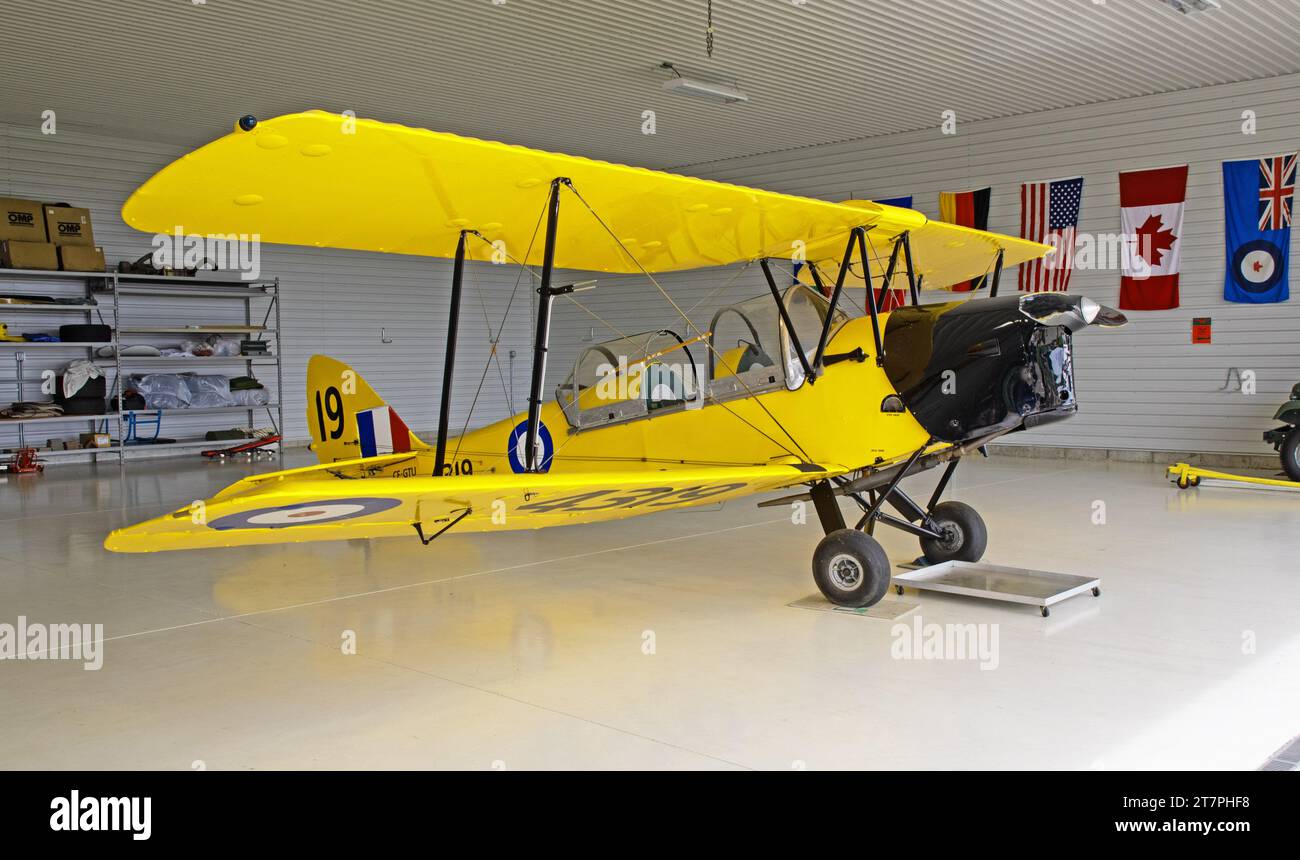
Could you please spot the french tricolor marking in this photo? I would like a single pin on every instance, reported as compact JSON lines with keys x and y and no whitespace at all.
{"x":381,"y":431}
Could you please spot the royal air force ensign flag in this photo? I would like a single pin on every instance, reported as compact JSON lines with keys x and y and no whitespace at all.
{"x":1151,"y":217}
{"x":1258,"y":196}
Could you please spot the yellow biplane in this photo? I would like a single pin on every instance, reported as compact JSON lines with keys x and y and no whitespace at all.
{"x":787,"y":390}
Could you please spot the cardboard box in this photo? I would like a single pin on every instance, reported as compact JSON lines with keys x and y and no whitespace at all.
{"x":80,"y":258}
{"x":69,"y":225}
{"x":29,"y":255}
{"x":22,"y":220}
{"x":95,"y":440}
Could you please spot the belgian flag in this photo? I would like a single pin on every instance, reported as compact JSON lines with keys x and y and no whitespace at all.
{"x":966,"y":209}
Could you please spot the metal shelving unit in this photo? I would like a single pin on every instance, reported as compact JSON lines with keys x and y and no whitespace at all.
{"x":104,"y":293}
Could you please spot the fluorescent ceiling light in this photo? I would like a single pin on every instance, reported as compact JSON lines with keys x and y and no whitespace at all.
{"x":1187,"y":7}
{"x":710,"y":88}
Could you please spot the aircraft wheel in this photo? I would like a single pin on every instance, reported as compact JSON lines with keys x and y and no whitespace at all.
{"x":964,"y":534}
{"x":851,"y":569}
{"x":1291,"y":454}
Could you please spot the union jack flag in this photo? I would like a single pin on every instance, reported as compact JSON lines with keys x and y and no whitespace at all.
{"x":1276,"y":191}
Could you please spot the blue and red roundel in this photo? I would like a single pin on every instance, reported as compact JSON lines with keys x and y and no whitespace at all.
{"x":304,"y":514}
{"x":544,"y":448}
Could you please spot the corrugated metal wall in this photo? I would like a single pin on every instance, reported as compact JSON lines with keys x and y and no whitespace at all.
{"x":1145,"y":386}
{"x":334,"y":302}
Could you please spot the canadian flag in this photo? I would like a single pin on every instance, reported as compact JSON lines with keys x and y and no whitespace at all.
{"x":1151,"y":213}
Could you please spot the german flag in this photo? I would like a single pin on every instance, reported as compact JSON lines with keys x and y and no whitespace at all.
{"x":966,"y":209}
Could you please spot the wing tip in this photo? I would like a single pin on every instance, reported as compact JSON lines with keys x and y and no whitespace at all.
{"x":121,"y":540}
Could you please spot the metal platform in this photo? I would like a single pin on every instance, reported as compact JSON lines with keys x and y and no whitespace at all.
{"x":1039,"y":588}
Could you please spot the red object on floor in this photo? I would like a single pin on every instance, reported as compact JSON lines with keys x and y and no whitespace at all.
{"x":250,"y":445}
{"x":24,"y":462}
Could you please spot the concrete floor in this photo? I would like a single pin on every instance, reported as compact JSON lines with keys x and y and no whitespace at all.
{"x":528,"y":649}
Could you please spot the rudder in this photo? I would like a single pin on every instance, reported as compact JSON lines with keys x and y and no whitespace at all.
{"x":347,"y":419}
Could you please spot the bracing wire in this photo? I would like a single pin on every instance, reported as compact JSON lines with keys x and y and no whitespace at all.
{"x":691,"y":326}
{"x":626,"y":336}
{"x":493,"y":354}
{"x":504,"y":319}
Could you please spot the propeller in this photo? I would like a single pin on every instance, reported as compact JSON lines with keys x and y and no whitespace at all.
{"x":1072,"y":312}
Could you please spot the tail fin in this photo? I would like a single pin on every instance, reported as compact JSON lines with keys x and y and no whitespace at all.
{"x":347,"y":419}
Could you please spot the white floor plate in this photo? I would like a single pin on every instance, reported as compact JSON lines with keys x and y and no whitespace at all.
{"x":885,"y":610}
{"x":1040,"y":588}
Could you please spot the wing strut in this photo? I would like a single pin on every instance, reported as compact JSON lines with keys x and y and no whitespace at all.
{"x":893,"y":264}
{"x":997,"y":274}
{"x":859,"y":235}
{"x":419,"y":528}
{"x":913,"y":283}
{"x":809,"y":373}
{"x":546,"y":296}
{"x":834,"y":301}
{"x":449,"y":367}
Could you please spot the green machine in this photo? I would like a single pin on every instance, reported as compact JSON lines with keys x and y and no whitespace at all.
{"x":1286,"y":439}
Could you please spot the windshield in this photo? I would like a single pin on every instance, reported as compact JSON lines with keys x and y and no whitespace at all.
{"x":630,"y":377}
{"x":746,"y":351}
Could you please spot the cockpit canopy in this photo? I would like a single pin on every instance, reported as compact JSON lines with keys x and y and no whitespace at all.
{"x":746,"y":350}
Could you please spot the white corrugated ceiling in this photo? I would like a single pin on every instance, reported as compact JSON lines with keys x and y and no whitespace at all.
{"x":575,"y":76}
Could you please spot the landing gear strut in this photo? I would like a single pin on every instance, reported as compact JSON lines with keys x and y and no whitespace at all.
{"x":850,"y":566}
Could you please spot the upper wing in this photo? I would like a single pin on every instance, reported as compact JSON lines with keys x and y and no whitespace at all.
{"x":945,"y":254}
{"x":369,"y":499}
{"x":303,"y":179}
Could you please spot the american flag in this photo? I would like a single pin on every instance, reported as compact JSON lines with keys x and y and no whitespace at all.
{"x":1276,"y":191}
{"x":1049,"y":213}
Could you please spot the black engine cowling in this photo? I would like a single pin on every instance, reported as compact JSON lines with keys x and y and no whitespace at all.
{"x":984,"y":367}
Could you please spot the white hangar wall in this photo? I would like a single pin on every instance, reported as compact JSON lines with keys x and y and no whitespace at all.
{"x":1144,"y":387}
{"x":334,"y":302}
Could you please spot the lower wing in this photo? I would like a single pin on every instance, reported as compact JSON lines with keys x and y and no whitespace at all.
{"x":339,"y":502}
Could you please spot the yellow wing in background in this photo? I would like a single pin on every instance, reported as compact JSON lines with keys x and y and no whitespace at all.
{"x":372,"y":498}
{"x":320,"y":179}
{"x":944,"y":254}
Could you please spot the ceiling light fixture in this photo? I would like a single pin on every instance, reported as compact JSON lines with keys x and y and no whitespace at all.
{"x":1188,"y":7}
{"x":705,"y":87}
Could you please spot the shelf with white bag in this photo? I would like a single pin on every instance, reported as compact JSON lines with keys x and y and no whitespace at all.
{"x":111,"y":298}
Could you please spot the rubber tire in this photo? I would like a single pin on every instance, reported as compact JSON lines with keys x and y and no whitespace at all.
{"x":1291,"y":454}
{"x":967,"y":519}
{"x":869,"y":554}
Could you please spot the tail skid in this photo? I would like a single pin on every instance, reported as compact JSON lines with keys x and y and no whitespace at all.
{"x":348,"y":419}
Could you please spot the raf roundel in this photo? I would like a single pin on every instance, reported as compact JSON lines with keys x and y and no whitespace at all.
{"x":1258,"y":266}
{"x":545,"y":448}
{"x":304,"y":514}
